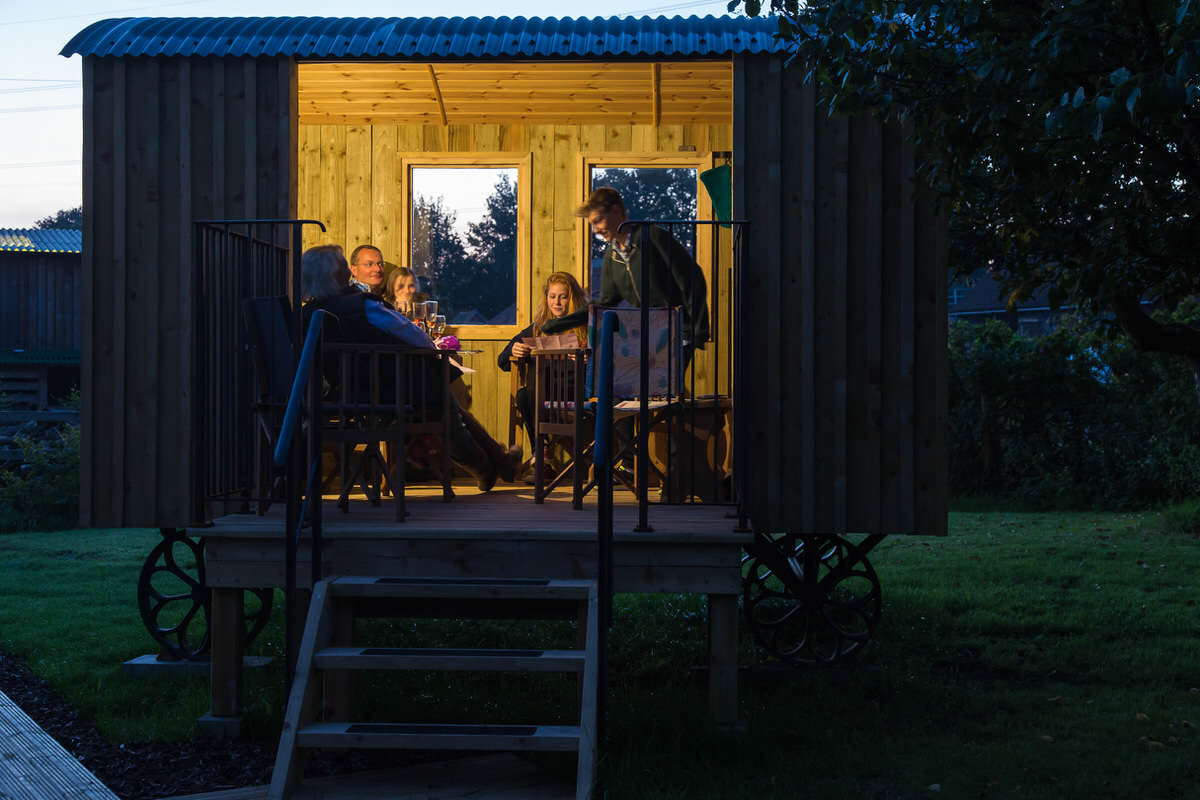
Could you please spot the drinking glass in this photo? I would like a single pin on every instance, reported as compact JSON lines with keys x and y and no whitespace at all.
{"x":420,"y":314}
{"x":439,"y":324}
{"x":431,"y":307}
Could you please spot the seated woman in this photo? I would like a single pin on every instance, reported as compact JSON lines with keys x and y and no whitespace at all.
{"x":561,"y":295}
{"x":360,"y":317}
{"x":400,"y":290}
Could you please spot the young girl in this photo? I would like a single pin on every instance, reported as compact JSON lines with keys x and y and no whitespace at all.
{"x":561,"y":295}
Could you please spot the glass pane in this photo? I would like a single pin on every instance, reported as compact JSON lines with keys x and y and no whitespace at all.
{"x":464,"y":242}
{"x":649,"y":193}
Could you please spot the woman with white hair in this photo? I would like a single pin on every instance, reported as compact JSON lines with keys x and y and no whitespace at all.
{"x":364,"y":318}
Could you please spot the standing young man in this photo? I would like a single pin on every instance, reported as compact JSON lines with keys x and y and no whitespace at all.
{"x":675,"y":277}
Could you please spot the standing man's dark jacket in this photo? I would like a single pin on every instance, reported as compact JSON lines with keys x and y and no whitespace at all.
{"x":675,"y":279}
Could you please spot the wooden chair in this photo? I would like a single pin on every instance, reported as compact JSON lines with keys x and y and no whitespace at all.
{"x":269,"y":345}
{"x":379,"y":394}
{"x":565,"y":385}
{"x":560,"y":411}
{"x":374,"y":394}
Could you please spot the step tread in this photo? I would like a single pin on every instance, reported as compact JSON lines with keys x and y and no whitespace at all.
{"x":472,"y":588}
{"x":427,"y":736}
{"x":427,"y":658}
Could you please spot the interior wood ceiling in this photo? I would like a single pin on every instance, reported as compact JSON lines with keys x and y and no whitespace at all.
{"x":544,"y":92}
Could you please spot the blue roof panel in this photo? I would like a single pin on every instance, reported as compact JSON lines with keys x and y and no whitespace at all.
{"x":40,"y":240}
{"x":428,"y":37}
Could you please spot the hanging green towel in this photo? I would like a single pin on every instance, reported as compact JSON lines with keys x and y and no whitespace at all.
{"x":718,"y":183}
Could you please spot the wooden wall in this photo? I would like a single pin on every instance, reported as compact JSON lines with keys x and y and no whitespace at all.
{"x":350,"y":179}
{"x":39,"y":301}
{"x":166,"y":141}
{"x":843,"y":409}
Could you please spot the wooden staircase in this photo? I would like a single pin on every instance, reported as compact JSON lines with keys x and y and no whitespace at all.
{"x":333,"y":604}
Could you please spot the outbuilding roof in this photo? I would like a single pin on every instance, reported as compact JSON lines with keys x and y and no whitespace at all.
{"x":40,"y":240}
{"x":428,"y":38}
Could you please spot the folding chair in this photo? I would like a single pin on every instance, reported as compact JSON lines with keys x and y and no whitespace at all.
{"x":269,"y":345}
{"x":564,"y":404}
{"x":376,"y":394}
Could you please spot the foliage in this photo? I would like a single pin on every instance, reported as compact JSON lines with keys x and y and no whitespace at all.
{"x":65,"y":218}
{"x":654,"y":193}
{"x":1053,"y":654}
{"x":1182,"y":518}
{"x":44,"y":493}
{"x":1065,"y":135}
{"x":1072,"y":419}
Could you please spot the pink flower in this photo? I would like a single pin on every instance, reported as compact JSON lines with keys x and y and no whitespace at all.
{"x":447,"y":343}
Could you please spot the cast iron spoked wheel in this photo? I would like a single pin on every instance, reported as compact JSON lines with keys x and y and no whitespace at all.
{"x":810,"y":600}
{"x":173,"y":598}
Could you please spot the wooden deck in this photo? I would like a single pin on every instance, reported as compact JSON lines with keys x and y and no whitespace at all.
{"x":33,"y":766}
{"x":501,"y":534}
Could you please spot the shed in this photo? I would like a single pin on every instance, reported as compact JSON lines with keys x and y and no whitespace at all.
{"x":842,"y":307}
{"x":40,"y":298}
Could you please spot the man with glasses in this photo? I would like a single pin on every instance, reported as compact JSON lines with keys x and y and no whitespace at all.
{"x":367,"y":269}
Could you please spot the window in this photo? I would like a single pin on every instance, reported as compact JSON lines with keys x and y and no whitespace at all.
{"x":467,"y":244}
{"x":650,"y":191}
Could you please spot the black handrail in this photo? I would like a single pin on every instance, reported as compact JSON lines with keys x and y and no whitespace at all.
{"x":602,"y":461}
{"x":297,"y":511}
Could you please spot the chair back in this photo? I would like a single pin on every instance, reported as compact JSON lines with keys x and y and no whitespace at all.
{"x":270,"y":345}
{"x":666,"y":352}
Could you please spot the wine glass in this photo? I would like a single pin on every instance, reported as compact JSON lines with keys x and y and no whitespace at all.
{"x":439,"y":324}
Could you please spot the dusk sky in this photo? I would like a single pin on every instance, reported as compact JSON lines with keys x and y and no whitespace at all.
{"x":41,"y":106}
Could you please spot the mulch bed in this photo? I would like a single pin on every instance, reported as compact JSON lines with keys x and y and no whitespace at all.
{"x":153,"y":770}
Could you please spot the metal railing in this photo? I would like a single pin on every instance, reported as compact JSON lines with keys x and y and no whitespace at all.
{"x":234,"y":259}
{"x":694,"y":430}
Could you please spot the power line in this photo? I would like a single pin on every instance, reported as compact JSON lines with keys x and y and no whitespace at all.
{"x":28,"y":109}
{"x":24,"y":164}
{"x":52,"y":87}
{"x":101,"y":14}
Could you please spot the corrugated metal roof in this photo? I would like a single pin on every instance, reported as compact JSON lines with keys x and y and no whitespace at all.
{"x":427,"y":38}
{"x":40,"y":240}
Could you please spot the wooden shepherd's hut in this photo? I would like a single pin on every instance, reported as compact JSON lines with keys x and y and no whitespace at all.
{"x":843,"y":296}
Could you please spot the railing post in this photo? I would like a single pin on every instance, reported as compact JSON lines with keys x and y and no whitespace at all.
{"x":602,"y":460}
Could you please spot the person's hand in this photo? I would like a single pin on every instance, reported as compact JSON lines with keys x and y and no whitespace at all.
{"x":520,"y":350}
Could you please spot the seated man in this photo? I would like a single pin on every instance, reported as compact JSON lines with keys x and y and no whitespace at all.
{"x":361,"y":317}
{"x":367,"y":269}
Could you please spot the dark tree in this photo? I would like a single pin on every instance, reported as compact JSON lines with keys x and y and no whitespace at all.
{"x":1064,"y":136}
{"x":493,"y":245}
{"x":652,"y":193}
{"x":71,"y":218}
{"x":438,"y":254}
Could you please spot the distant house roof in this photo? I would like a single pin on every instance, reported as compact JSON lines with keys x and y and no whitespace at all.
{"x":40,"y":240}
{"x":428,"y":37}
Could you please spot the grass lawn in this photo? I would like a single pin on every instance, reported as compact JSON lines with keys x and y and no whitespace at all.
{"x":1032,"y":655}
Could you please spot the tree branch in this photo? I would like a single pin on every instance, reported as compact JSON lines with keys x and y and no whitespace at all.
{"x":1152,"y":336}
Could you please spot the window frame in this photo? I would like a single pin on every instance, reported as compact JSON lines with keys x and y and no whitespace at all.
{"x":633,"y":160}
{"x":523,"y":163}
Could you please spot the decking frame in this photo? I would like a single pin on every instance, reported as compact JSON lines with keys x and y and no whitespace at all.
{"x":693,"y":549}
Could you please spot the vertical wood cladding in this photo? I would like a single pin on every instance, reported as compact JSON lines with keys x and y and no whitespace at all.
{"x":166,"y":141}
{"x":844,"y":397}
